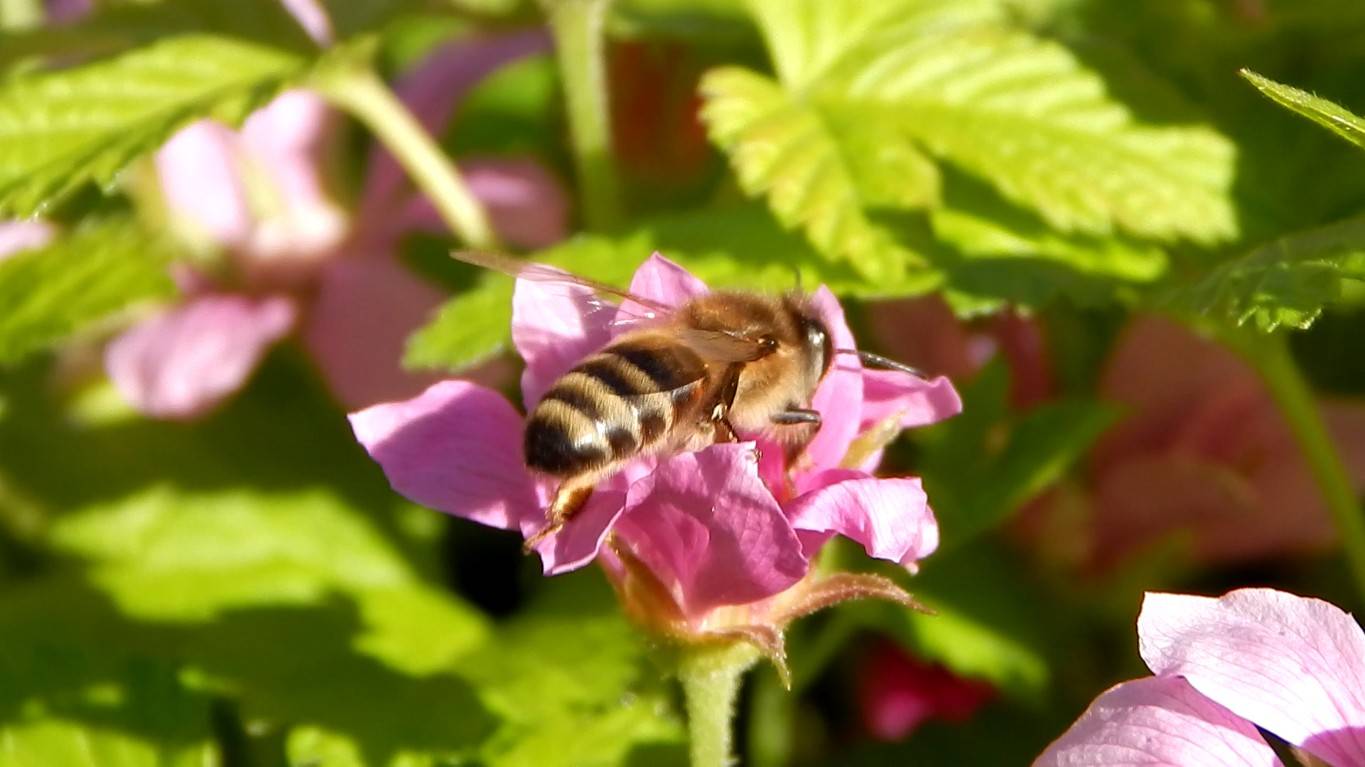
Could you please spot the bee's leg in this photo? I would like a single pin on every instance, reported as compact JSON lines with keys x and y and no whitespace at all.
{"x":797,"y":439}
{"x":718,"y":410}
{"x":570,"y":498}
{"x":723,"y":430}
{"x":797,"y":415}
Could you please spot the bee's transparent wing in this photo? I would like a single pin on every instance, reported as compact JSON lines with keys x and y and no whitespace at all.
{"x":724,"y":347}
{"x":596,"y":302}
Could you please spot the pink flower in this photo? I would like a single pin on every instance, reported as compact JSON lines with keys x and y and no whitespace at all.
{"x":1204,"y":453}
{"x":1290,"y":665}
{"x":18,"y":236}
{"x":711,"y":541}
{"x":924,"y":332}
{"x":898,"y":693}
{"x":293,"y":260}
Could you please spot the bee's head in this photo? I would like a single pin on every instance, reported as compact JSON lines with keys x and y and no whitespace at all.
{"x":817,"y":347}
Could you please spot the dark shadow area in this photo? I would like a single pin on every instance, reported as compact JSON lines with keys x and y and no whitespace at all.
{"x":294,"y":665}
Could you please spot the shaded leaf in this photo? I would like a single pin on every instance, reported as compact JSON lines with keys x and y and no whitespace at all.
{"x":1283,"y":284}
{"x":114,"y":28}
{"x":980,"y":467}
{"x":49,"y":293}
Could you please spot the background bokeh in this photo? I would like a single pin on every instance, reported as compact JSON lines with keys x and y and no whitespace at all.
{"x":1141,"y":274}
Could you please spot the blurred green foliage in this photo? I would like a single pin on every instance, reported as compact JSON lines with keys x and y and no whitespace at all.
{"x":246,"y":590}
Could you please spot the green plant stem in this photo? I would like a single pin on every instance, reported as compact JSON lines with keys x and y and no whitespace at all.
{"x":711,"y":678}
{"x":577,"y":26}
{"x":771,"y":720}
{"x":1272,"y":359}
{"x":358,"y":90}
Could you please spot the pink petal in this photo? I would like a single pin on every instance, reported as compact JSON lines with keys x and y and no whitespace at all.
{"x":925,"y":333}
{"x":1293,"y":665}
{"x":287,"y":138}
{"x":840,"y":396}
{"x":897,"y":693}
{"x":312,"y":18}
{"x":431,"y":91}
{"x":582,"y":537}
{"x":706,"y":525}
{"x":918,"y":402}
{"x":1150,"y":498}
{"x":890,"y":517}
{"x":526,"y":204}
{"x":287,"y":143}
{"x":67,"y":11}
{"x":18,"y":236}
{"x":1158,"y":721}
{"x":455,"y":447}
{"x":199,"y":168}
{"x":183,"y":362}
{"x":659,"y":279}
{"x":554,"y":326}
{"x":359,"y":322}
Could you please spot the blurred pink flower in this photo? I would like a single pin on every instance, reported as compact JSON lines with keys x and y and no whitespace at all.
{"x":704,"y":537}
{"x":294,"y":259}
{"x":925,"y":333}
{"x":897,"y":693}
{"x":1205,"y":452}
{"x":1291,"y":665}
{"x":18,"y":236}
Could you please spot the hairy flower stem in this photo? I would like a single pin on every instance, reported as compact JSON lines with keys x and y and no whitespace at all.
{"x":711,"y":678}
{"x":1272,"y":359}
{"x":577,"y":26}
{"x":358,"y":90}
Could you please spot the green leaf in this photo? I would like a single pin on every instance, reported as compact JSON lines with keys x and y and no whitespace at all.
{"x":71,"y":127}
{"x":1027,"y":116}
{"x":808,"y":39}
{"x":467,"y":329}
{"x":1321,"y":111}
{"x":988,"y":622}
{"x":1003,"y":254}
{"x":562,"y":701}
{"x":136,"y":715}
{"x":1284,"y":284}
{"x":49,"y":293}
{"x":114,"y":28}
{"x":288,"y":592}
{"x":979,"y":225}
{"x":781,"y":148}
{"x":983,"y":465}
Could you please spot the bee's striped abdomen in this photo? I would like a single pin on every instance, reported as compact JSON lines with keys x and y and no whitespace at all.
{"x":612,"y":406}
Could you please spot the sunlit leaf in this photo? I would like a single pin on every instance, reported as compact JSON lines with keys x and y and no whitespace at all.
{"x":71,"y":127}
{"x":783,"y":150}
{"x":1329,"y":115}
{"x":1025,"y":115}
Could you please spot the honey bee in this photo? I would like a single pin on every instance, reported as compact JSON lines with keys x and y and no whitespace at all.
{"x":721,"y":364}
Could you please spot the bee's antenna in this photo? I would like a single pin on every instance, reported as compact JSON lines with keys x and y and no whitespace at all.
{"x":796,"y":275}
{"x":877,"y":360}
